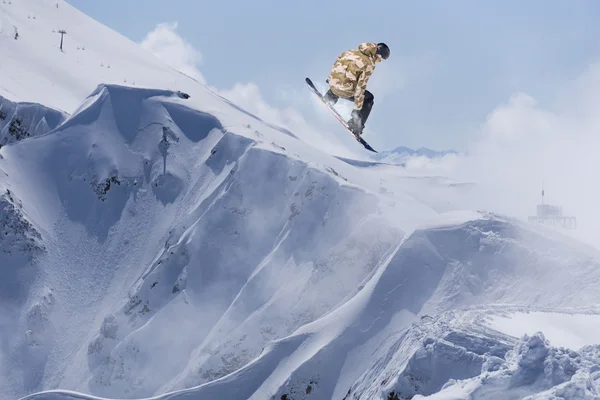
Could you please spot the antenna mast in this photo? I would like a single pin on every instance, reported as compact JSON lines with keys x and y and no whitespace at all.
{"x":542,"y":192}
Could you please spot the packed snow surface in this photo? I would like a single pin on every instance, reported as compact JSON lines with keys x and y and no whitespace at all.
{"x":155,"y":245}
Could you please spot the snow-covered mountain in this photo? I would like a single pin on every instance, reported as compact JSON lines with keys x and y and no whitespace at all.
{"x":401,"y":154}
{"x":158,"y":245}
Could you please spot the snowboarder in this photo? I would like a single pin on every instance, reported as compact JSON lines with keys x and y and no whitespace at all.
{"x":348,"y":80}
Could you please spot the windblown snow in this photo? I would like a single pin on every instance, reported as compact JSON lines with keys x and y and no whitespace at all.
{"x":155,"y":245}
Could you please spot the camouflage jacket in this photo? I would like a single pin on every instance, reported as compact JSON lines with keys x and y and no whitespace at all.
{"x":351,"y":71}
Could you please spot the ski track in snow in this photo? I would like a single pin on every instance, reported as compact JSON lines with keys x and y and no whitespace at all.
{"x":153,"y":245}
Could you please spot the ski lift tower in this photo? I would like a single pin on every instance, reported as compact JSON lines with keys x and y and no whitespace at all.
{"x":552,"y":215}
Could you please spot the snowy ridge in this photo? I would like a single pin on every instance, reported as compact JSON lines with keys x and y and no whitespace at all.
{"x":22,"y":120}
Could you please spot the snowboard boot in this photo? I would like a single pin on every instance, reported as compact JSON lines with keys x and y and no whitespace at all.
{"x":355,"y":127}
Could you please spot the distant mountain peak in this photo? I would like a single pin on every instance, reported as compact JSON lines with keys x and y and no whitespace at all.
{"x":400,"y":154}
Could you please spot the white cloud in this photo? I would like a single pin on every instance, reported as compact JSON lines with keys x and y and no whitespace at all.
{"x":166,"y":44}
{"x":523,"y":144}
{"x":248,"y":96}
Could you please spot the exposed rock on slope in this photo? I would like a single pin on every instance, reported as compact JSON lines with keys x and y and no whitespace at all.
{"x":23,"y":120}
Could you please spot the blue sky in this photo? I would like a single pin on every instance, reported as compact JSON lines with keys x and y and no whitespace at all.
{"x":452,"y":62}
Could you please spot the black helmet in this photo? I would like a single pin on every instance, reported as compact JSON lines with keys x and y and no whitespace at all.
{"x":383,"y":50}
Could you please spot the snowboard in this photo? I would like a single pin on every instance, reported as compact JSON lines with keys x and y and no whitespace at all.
{"x":337,"y":115}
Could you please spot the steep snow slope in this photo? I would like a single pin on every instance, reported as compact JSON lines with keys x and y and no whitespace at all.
{"x":444,"y":266}
{"x":382,"y":343}
{"x":435,"y":269}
